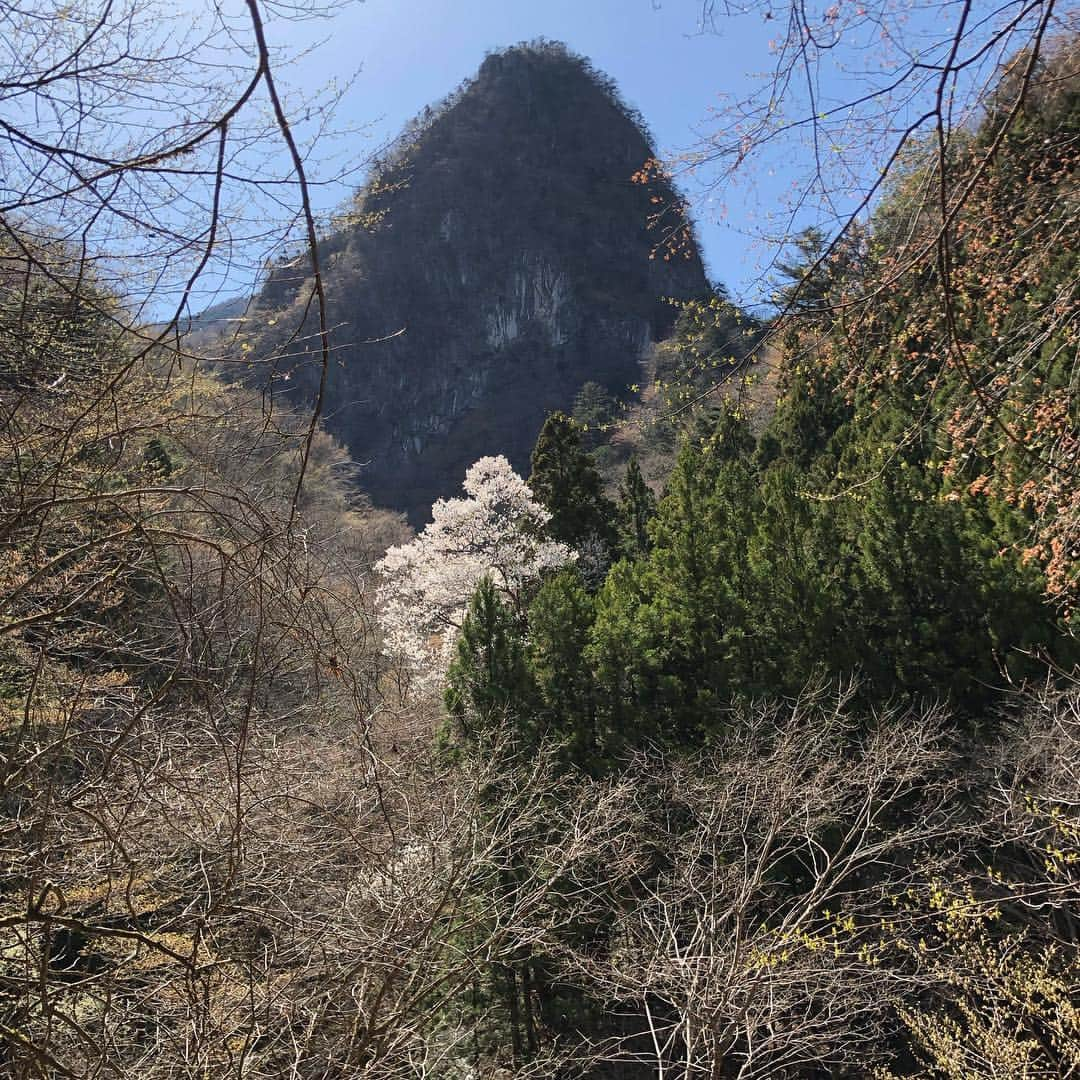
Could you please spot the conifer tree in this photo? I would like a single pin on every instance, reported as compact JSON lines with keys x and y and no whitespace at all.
{"x":594,"y":408}
{"x":637,"y":507}
{"x":798,"y":568}
{"x":670,"y":641}
{"x":560,"y":619}
{"x":488,"y":682}
{"x":564,"y":479}
{"x":804,"y":282}
{"x":936,"y":606}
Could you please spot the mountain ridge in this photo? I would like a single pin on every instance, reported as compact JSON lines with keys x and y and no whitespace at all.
{"x":521,"y":242}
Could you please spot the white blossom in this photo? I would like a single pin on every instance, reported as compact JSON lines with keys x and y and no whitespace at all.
{"x":497,"y":532}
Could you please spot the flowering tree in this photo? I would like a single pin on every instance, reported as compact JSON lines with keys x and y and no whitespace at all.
{"x":498,"y":532}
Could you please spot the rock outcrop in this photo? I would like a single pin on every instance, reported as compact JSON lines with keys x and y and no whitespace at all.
{"x":517,"y":242}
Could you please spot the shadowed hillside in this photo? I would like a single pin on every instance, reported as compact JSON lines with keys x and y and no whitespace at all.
{"x":517,"y":242}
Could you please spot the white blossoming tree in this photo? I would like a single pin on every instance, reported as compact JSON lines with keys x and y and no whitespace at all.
{"x":497,"y":532}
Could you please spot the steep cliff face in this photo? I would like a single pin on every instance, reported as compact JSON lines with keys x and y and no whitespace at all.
{"x":501,"y":257}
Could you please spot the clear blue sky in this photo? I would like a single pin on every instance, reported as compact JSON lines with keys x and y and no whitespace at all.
{"x":411,"y":53}
{"x":406,"y":54}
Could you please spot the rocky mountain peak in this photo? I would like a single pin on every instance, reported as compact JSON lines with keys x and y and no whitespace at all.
{"x":517,"y":242}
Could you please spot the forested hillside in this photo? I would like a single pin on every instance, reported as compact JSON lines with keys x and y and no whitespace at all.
{"x":761,"y":765}
{"x":833,"y":649}
{"x":499,"y":258}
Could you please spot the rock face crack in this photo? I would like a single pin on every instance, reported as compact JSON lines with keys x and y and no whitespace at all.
{"x":501,"y":257}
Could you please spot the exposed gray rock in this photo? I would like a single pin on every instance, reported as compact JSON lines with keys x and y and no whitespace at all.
{"x":502,"y":257}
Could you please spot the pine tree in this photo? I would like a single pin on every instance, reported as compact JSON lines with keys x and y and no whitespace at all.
{"x":799,"y":570}
{"x":637,"y":507}
{"x":937,"y":607}
{"x":594,"y":408}
{"x":489,"y":688}
{"x":566,"y":482}
{"x":804,"y":281}
{"x":560,"y":620}
{"x":670,"y":642}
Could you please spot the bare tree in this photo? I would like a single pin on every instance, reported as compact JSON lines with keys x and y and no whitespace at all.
{"x":857,"y":89}
{"x":179,"y":609}
{"x":1000,"y":948}
{"x":149,"y":158}
{"x":755,"y":947}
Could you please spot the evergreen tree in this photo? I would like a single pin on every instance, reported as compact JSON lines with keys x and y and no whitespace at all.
{"x":490,"y":698}
{"x":937,"y":607}
{"x":721,"y":432}
{"x":804,"y":282}
{"x":564,"y":479}
{"x":560,"y":620}
{"x":637,"y":507}
{"x":798,"y":570}
{"x":594,"y":408}
{"x":488,"y":683}
{"x":491,"y":691}
{"x":670,"y":640}
{"x":809,"y":414}
{"x":619,"y":655}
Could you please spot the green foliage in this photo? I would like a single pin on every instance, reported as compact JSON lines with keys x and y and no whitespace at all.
{"x":669,"y":639}
{"x":808,"y":416}
{"x":804,"y":280}
{"x":722,"y":433}
{"x":709,"y":345}
{"x":905,"y":579}
{"x":770,"y":565}
{"x":157,"y":458}
{"x":507,"y":699}
{"x":560,"y":619}
{"x":488,"y":682}
{"x":594,"y":410}
{"x":759,"y":581}
{"x":799,"y":590}
{"x":934,"y":608}
{"x":566,"y":482}
{"x":637,"y":507}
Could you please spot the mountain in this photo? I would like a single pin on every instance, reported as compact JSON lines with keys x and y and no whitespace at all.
{"x":518,"y":241}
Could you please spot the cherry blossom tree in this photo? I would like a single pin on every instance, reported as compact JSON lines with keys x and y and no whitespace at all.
{"x":498,"y":532}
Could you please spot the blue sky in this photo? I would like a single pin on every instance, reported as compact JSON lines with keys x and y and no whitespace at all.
{"x":410,"y":53}
{"x":396,"y":56}
{"x":387,"y":59}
